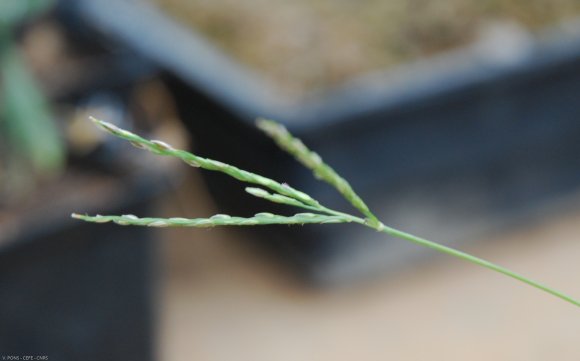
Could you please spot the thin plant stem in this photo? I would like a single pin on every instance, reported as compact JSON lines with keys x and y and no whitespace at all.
{"x":478,"y":261}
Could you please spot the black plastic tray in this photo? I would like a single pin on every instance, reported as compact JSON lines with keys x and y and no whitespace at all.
{"x":449,"y":147}
{"x":70,"y":290}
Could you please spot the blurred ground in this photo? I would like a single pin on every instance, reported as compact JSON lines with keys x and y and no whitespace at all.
{"x":222,"y":300}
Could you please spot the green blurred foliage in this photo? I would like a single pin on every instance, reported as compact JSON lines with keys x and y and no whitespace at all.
{"x":31,"y":141}
{"x":13,"y":12}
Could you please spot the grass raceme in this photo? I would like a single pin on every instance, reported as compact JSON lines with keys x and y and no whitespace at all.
{"x":276,"y":192}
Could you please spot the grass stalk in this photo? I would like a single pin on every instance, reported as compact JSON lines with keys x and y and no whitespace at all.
{"x":285,"y":194}
{"x":478,"y":261}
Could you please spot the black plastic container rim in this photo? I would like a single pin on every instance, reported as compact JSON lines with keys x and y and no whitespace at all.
{"x":139,"y":187}
{"x":193,"y":58}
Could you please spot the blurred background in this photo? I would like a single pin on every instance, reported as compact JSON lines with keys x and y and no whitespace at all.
{"x":458,"y":121}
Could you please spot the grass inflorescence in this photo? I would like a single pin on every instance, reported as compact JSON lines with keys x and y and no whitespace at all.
{"x":276,"y":192}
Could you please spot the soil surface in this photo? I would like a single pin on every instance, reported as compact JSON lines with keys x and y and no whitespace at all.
{"x":305,"y":45}
{"x":55,"y":200}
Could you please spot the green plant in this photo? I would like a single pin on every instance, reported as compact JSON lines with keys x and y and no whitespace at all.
{"x":285,"y":194}
{"x":32,"y":143}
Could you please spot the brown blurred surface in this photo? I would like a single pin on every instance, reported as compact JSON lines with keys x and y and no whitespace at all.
{"x":223,"y":300}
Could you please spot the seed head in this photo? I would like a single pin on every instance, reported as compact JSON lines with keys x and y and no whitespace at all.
{"x":265,"y":215}
{"x":158,"y":223}
{"x":258,"y":192}
{"x":162,"y":145}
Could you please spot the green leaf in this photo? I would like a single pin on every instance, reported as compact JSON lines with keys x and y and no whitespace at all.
{"x":30,"y":128}
{"x":13,"y":12}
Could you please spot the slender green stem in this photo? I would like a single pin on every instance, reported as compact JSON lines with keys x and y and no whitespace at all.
{"x":481,"y":262}
{"x":350,"y":217}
